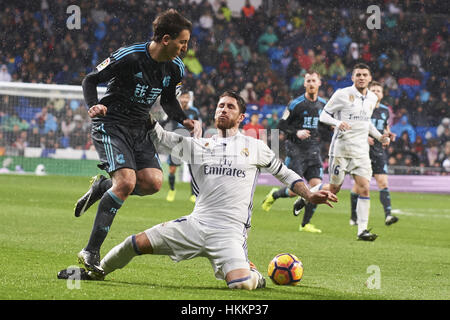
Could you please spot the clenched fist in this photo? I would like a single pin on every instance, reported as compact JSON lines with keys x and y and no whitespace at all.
{"x":97,"y":110}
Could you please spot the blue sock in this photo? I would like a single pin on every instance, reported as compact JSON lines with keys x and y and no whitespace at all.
{"x":107,"y":208}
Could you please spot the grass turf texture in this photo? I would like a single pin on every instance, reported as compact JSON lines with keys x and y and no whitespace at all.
{"x":40,"y":236}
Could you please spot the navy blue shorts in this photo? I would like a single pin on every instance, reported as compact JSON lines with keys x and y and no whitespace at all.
{"x":120,"y":147}
{"x":379,"y":163}
{"x":306,"y":163}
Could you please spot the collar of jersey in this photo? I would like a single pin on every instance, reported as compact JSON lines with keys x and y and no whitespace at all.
{"x":359,"y":94}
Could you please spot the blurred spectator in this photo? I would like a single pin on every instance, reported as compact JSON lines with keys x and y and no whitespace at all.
{"x":192,"y":63}
{"x":404,"y":126}
{"x":432,"y":151}
{"x":305,"y":60}
{"x":228,"y":45}
{"x":343,"y":40}
{"x":353,"y":53}
{"x":224,"y":12}
{"x":267,"y":40}
{"x":266,"y":99}
{"x":51,"y":141}
{"x":255,"y":129}
{"x":337,"y":69}
{"x":34,"y":138}
{"x":319,"y":66}
{"x":244,"y":50}
{"x":403,"y":143}
{"x":21,"y":143}
{"x":4,"y":74}
{"x":78,"y":136}
{"x":248,"y":11}
{"x":445,"y":136}
{"x":445,"y":123}
{"x":272,"y":122}
{"x":419,"y":117}
{"x":248,"y":94}
{"x":68,"y":123}
{"x":418,"y":146}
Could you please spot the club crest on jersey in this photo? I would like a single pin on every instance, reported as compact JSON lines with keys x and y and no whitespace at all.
{"x":245,"y":152}
{"x":166,"y":81}
{"x":120,"y":159}
{"x":351,"y":98}
{"x":104,"y":64}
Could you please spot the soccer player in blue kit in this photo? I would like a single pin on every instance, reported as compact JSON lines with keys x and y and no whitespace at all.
{"x":137,"y":75}
{"x":301,"y":124}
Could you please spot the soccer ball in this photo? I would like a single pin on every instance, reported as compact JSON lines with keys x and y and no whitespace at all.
{"x":285,"y":269}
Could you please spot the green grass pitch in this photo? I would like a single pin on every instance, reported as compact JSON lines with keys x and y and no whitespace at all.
{"x":40,"y":236}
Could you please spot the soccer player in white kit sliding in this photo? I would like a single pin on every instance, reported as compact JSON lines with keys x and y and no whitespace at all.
{"x":349,"y":110}
{"x":224,"y":169}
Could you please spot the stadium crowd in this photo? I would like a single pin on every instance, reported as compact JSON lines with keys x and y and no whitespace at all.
{"x":263,"y":53}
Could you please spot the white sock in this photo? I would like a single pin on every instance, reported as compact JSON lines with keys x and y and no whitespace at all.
{"x":119,"y":256}
{"x":362,"y":212}
{"x":248,"y":283}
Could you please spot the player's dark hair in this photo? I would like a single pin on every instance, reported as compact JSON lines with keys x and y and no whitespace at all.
{"x":361,"y":66}
{"x":375,"y":84}
{"x":240,"y":101}
{"x":170,"y":22}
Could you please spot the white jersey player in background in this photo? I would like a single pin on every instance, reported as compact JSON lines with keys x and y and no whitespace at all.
{"x":224,"y":169}
{"x":349,"y":110}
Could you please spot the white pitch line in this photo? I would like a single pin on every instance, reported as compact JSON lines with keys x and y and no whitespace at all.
{"x":412,"y":213}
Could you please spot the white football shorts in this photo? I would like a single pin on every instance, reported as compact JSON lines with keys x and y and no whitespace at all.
{"x":339,"y":166}
{"x":186,"y":238}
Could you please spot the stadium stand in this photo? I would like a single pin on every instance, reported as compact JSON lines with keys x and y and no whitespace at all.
{"x":270,"y":49}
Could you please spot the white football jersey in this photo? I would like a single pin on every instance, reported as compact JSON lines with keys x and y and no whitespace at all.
{"x":350,"y":106}
{"x":224,"y":173}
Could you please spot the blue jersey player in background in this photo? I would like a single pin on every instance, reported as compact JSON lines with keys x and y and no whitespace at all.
{"x":300,"y":123}
{"x":378,"y":158}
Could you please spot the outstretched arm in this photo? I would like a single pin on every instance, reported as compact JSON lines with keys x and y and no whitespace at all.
{"x":318,"y":197}
{"x":167,"y":142}
{"x":297,"y":185}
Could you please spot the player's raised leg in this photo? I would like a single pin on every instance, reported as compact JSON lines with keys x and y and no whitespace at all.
{"x":98,"y":186}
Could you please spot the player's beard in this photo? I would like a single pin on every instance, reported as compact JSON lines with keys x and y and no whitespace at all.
{"x":311,"y":92}
{"x":225,"y":125}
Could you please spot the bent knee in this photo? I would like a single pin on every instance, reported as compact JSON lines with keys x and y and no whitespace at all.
{"x":143,"y":243}
{"x":124,"y":187}
{"x":150,"y":182}
{"x":152,"y":186}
